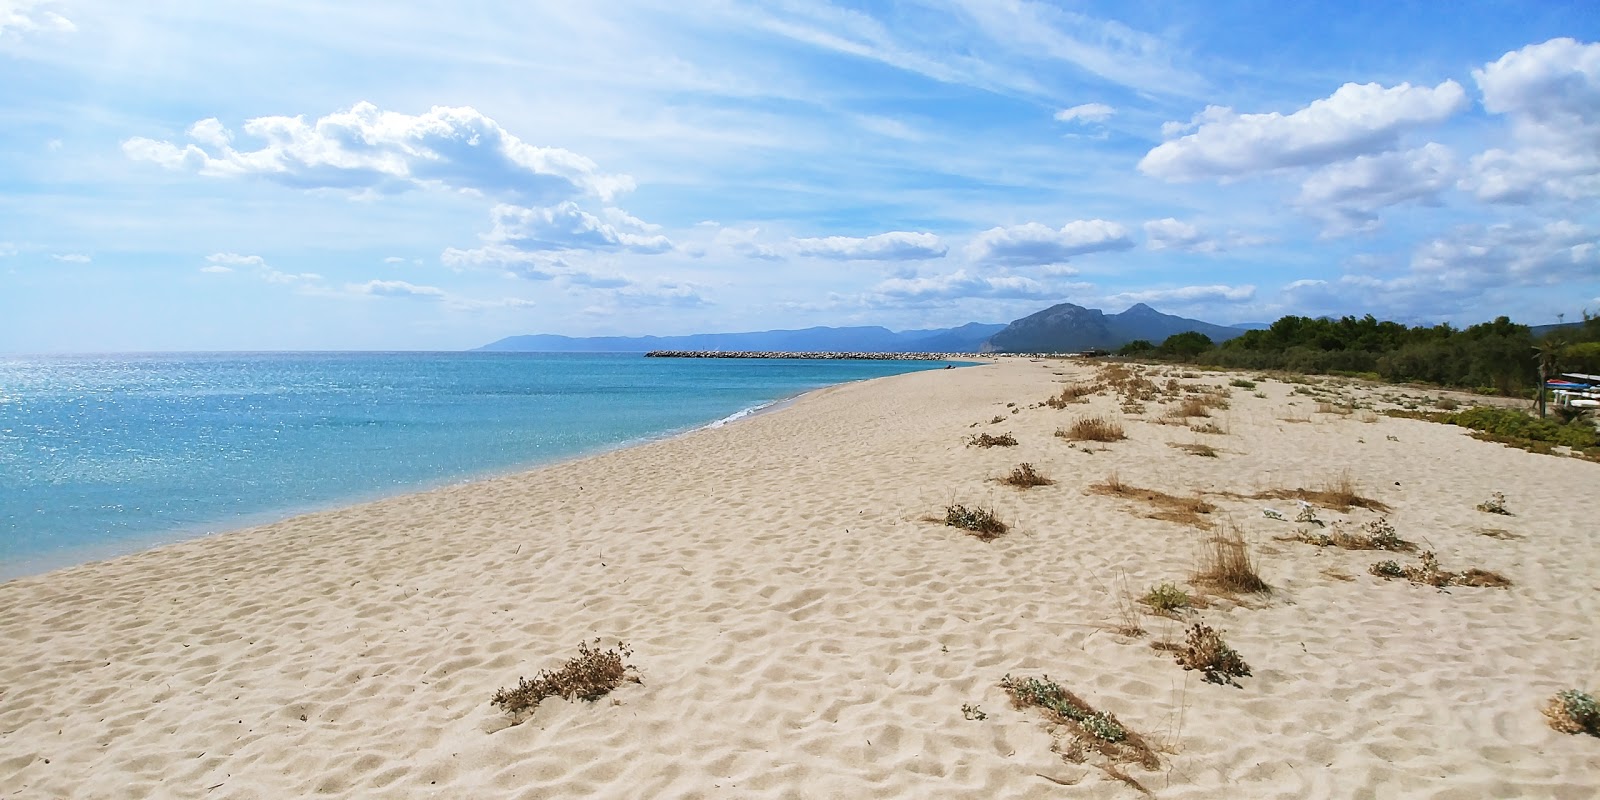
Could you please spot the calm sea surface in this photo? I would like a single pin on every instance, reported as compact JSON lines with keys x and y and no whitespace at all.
{"x":102,"y":455}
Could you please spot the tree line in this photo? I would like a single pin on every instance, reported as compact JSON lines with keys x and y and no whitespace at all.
{"x":1499,"y":356}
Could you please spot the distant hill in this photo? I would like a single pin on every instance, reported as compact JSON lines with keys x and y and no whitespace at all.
{"x":967,"y":338}
{"x":1251,"y":326}
{"x":1070,"y":328}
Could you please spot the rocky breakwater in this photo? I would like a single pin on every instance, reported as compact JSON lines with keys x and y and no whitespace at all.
{"x":821,"y":355}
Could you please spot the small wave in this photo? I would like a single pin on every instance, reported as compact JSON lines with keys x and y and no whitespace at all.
{"x":738,"y":415}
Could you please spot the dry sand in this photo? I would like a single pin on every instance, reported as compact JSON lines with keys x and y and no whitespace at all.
{"x":802,"y":631}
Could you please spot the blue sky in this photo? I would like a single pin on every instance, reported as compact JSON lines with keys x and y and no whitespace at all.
{"x":418,"y":175}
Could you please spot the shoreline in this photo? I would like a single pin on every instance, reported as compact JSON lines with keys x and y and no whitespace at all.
{"x":801,"y":628}
{"x":67,"y":558}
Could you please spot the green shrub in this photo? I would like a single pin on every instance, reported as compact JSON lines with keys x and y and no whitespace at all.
{"x":1167,"y":598}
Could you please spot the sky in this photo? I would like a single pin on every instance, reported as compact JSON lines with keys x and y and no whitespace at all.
{"x":307,"y":175}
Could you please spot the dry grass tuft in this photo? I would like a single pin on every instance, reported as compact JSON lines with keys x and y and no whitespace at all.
{"x":1093,"y":429}
{"x":987,"y":440}
{"x":1092,"y":729}
{"x":1190,"y":407}
{"x":1075,"y":393}
{"x":1573,"y":711}
{"x":1209,"y":427}
{"x":1195,"y":449}
{"x":1498,"y":533}
{"x":590,"y":676}
{"x":1024,"y":476}
{"x":1185,"y":510}
{"x":980,"y":522}
{"x":1227,"y":566}
{"x":1204,"y":650}
{"x":1338,"y":494}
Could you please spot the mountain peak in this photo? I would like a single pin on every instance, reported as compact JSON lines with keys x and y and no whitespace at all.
{"x":1141,"y":308}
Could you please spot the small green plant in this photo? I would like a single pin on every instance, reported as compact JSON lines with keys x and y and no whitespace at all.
{"x":1242,"y":383}
{"x":1308,"y":514}
{"x":1378,"y":534}
{"x":973,"y":712}
{"x":986,"y":440}
{"x":1024,"y":476}
{"x":1167,"y":598}
{"x":1496,"y":504}
{"x":1099,"y":730}
{"x":980,"y":522}
{"x":593,"y":674}
{"x":1387,"y":569}
{"x":1205,"y":650}
{"x":1573,"y":711}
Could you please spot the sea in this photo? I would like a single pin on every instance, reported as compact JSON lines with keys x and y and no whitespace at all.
{"x":102,"y":455}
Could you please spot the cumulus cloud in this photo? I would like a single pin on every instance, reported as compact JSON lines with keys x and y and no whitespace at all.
{"x":366,"y":149}
{"x":1550,"y":93}
{"x":891,"y":246}
{"x":1033,"y":244}
{"x":1496,"y":255}
{"x":533,"y":266}
{"x":18,"y":17}
{"x":1171,"y":234}
{"x":1356,"y":119}
{"x":960,"y":285}
{"x":228,"y":262}
{"x":1088,"y":112}
{"x":1184,"y":295}
{"x":567,"y":227}
{"x":1347,"y":195}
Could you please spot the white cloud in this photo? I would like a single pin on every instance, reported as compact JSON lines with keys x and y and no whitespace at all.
{"x":1088,"y":112}
{"x":258,"y":265}
{"x":394,"y":260}
{"x":568,"y":227}
{"x":72,"y":258}
{"x":891,"y":246}
{"x":1356,"y":119}
{"x":1550,"y":93}
{"x":1347,"y":195}
{"x":378,"y":288}
{"x":958,"y":285}
{"x":216,"y":269}
{"x":1171,"y":234}
{"x":534,"y":266}
{"x":1497,"y":255}
{"x":1033,"y":244}
{"x":365,"y":149}
{"x":1184,"y":295}
{"x":28,"y":16}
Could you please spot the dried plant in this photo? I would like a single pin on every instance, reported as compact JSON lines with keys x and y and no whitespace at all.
{"x":1338,"y":494}
{"x":1186,"y":510}
{"x":1075,"y":393}
{"x":593,"y":674}
{"x":987,"y":440}
{"x":1573,"y":711}
{"x":1209,"y":427}
{"x":1496,"y":504}
{"x":1024,"y":476}
{"x":1093,"y":429}
{"x":1226,"y":565}
{"x":973,"y":712}
{"x":1205,"y":650}
{"x":1195,"y":449}
{"x":1378,"y":534}
{"x":1427,"y":571}
{"x":980,"y":522}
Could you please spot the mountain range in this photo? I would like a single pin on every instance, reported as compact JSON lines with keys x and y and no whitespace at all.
{"x":1059,"y":328}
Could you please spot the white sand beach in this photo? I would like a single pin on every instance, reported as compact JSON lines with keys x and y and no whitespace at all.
{"x":801,"y":629}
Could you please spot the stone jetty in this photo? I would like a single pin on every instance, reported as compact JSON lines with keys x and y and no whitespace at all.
{"x":824,"y":355}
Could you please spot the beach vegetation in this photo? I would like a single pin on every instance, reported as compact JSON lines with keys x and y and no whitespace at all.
{"x":1196,"y":449}
{"x":973,"y":712}
{"x":591,"y":675}
{"x":1093,"y":429}
{"x":987,"y":440}
{"x":1428,"y":572}
{"x":1378,"y":534}
{"x":1242,"y":383}
{"x":1091,"y":728}
{"x":1074,"y":393}
{"x":1573,"y":711}
{"x":1172,"y":508}
{"x":1167,"y":599}
{"x":1205,"y":650}
{"x":1024,"y":476}
{"x":1516,"y":428}
{"x":1338,"y":493}
{"x":1496,"y":504}
{"x":980,"y":522}
{"x":1227,"y":566}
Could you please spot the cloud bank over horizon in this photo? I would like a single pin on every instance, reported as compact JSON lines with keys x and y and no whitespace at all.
{"x":561,"y":170}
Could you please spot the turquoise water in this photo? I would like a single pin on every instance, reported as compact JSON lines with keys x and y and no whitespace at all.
{"x":101,"y":455}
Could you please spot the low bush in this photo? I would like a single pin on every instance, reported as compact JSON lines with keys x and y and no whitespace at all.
{"x":1024,"y":476}
{"x":1428,"y":572}
{"x":988,"y":440}
{"x":980,"y":522}
{"x":1098,"y":730}
{"x":1573,"y":711}
{"x":1166,"y":599}
{"x":1496,"y":504}
{"x":1379,"y":534}
{"x":1204,"y":650}
{"x":593,"y":674}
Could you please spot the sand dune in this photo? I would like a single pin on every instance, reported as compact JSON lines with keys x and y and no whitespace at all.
{"x":801,"y":630}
